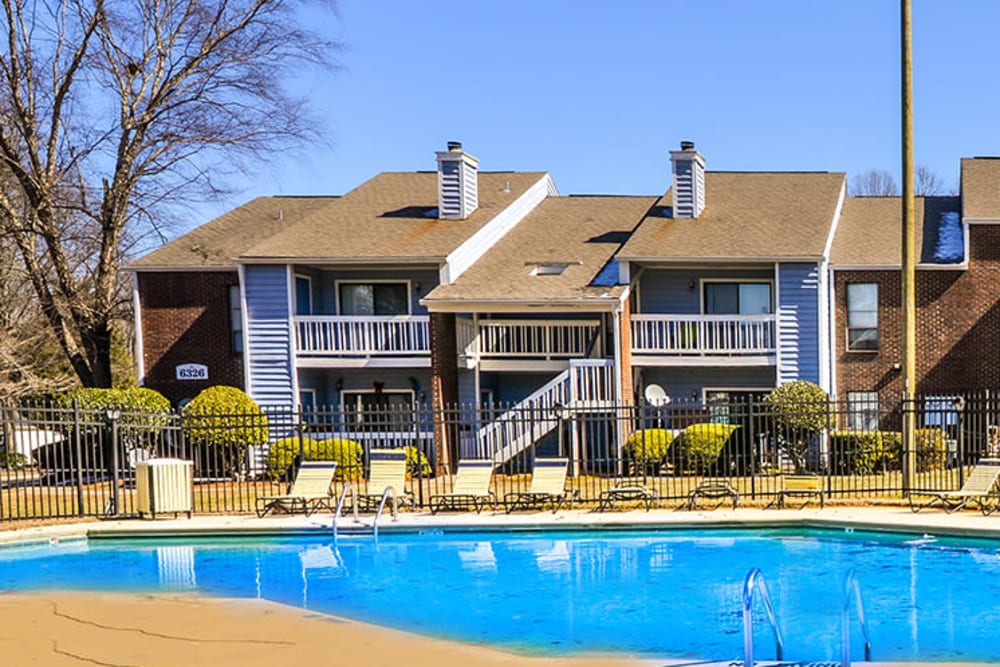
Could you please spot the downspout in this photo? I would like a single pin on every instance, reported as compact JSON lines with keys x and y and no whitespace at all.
{"x":140,"y":361}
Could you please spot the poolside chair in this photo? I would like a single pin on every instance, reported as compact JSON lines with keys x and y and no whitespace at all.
{"x":470,"y":489}
{"x":548,"y":485}
{"x":976,"y":490}
{"x":719,"y":490}
{"x":386,"y":469}
{"x":801,"y":486}
{"x":627,"y":489}
{"x":308,"y":493}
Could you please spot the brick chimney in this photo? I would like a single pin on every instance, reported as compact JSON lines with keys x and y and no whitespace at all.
{"x":689,"y":181}
{"x":458,"y":183}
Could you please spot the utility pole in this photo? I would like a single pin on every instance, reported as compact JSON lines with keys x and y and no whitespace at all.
{"x":909,"y":300}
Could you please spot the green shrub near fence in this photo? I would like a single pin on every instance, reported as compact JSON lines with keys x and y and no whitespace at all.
{"x":867,"y":452}
{"x":417,"y":463}
{"x":648,"y":450}
{"x":697,"y":448}
{"x":283,"y":453}
{"x":226,"y":421}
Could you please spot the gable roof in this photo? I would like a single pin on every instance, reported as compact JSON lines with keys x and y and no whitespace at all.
{"x":218,"y":243}
{"x":391,"y":217}
{"x":579,"y":233}
{"x":870,"y":231}
{"x":747,"y":216}
{"x":980,"y":194}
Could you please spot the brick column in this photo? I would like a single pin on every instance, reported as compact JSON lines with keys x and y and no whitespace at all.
{"x":444,"y":386}
{"x":625,"y":353}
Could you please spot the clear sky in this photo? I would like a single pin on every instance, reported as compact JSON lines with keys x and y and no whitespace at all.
{"x":597,"y":93}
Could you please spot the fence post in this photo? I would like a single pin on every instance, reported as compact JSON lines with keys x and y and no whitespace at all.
{"x":79,"y":457}
{"x":113,"y":415}
{"x":751,"y":418}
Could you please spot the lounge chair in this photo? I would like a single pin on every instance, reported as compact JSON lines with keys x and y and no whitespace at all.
{"x":548,"y":485}
{"x":627,"y":489}
{"x":309,"y":492}
{"x":976,"y":490}
{"x":470,"y":489}
{"x":801,"y":486}
{"x":718,"y":490}
{"x":386,"y":469}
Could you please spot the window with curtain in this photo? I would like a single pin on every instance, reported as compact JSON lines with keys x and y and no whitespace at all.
{"x":374,"y":299}
{"x":738,"y":299}
{"x":862,"y":316}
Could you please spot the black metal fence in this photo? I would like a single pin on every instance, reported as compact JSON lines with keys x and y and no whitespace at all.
{"x":70,"y":462}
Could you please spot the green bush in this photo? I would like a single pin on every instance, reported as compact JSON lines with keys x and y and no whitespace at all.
{"x":283,"y":453}
{"x":697,"y":448}
{"x":13,"y":461}
{"x":799,"y":410}
{"x":647,"y":450}
{"x":226,"y":421}
{"x":932,"y":449}
{"x":863,"y":452}
{"x":140,"y":409}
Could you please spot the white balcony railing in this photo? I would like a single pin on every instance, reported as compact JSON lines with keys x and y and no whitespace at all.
{"x":536,"y":339}
{"x":704,"y":335}
{"x":351,"y":335}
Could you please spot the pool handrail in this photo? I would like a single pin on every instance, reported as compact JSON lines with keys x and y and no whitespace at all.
{"x":852,"y":591}
{"x":340,"y":505}
{"x":755,"y":580}
{"x":389,"y":492}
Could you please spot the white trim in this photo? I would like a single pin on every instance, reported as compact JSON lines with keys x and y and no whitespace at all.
{"x":922,"y":266}
{"x":981,"y":221}
{"x":140,"y":361}
{"x":468,"y":252}
{"x":596,"y":304}
{"x":656,"y":261}
{"x":878,"y":318}
{"x":364,"y":362}
{"x":290,"y":319}
{"x":624,"y":273}
{"x":305,"y":390}
{"x":295,"y":293}
{"x":373,"y":281}
{"x":247,"y":352}
{"x":831,"y":334}
{"x":777,"y":323}
{"x":836,"y":220}
{"x":747,"y":361}
{"x":822,"y":330}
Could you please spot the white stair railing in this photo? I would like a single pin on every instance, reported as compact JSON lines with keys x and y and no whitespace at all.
{"x":525,"y":423}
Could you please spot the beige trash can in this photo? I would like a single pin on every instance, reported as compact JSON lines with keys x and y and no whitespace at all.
{"x":164,"y":485}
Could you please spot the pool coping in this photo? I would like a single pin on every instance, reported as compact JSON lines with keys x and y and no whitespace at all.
{"x":877,"y":519}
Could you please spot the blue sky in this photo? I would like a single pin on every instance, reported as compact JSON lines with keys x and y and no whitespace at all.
{"x":598,"y":93}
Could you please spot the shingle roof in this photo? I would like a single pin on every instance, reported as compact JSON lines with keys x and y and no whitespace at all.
{"x":870,"y":230}
{"x":217,"y":244}
{"x":581,"y":232}
{"x":389,"y":218}
{"x":980,"y":194}
{"x":746,"y":216}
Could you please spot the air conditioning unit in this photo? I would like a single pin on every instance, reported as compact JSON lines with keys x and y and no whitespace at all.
{"x":164,"y":485}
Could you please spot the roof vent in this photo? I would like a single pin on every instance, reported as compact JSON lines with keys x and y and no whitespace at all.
{"x":458,"y":182}
{"x":689,"y":181}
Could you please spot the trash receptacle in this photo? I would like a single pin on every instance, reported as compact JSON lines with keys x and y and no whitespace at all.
{"x":164,"y":485}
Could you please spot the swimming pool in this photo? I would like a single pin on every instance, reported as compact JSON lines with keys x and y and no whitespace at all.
{"x":664,"y":594}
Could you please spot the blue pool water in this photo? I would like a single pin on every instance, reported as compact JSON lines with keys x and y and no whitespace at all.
{"x":667,"y":594}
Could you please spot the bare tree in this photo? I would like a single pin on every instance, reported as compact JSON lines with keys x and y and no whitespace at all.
{"x":874,"y":183}
{"x":926,"y":182}
{"x":112,"y":110}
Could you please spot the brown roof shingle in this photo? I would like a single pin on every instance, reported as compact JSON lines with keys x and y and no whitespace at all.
{"x":581,"y":232}
{"x":748,"y":215}
{"x":980,"y":190}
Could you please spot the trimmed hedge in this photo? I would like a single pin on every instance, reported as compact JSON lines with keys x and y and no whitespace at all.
{"x":698,"y":447}
{"x":648,"y":449}
{"x":281,"y":455}
{"x":226,"y":420}
{"x":141,"y":409}
{"x":869,"y":452}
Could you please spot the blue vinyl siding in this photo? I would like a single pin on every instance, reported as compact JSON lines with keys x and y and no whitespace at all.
{"x":798,"y":322}
{"x":269,"y":337}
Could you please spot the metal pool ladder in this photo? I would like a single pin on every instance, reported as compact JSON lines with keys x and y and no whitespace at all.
{"x":381,"y":505}
{"x":755,"y":581}
{"x":852,"y":591}
{"x":340,"y":505}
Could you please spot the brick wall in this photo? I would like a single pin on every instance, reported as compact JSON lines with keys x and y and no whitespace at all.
{"x":958,"y":326}
{"x":444,"y":386}
{"x":185,"y":319}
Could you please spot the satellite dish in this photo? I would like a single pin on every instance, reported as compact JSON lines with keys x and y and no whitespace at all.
{"x":656,"y":396}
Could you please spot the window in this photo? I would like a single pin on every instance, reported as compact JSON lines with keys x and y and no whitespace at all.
{"x":379,"y":410}
{"x":235,"y":320}
{"x":303,"y":295}
{"x":862,"y":410}
{"x":940,"y":411}
{"x":862,"y":316}
{"x":374,"y":298}
{"x":738,"y":299}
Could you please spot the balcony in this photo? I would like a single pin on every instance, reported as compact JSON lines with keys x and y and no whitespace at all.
{"x":362,"y":336}
{"x":699,"y":339}
{"x":539,"y":340}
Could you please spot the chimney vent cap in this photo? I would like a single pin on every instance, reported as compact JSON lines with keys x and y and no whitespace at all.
{"x":685,"y":145}
{"x":456,"y":146}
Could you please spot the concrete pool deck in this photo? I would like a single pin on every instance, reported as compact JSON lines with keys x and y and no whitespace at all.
{"x":57,"y":628}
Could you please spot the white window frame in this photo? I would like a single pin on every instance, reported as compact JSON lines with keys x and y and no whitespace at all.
{"x":848,"y":328}
{"x":366,"y":281}
{"x":702,"y":282}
